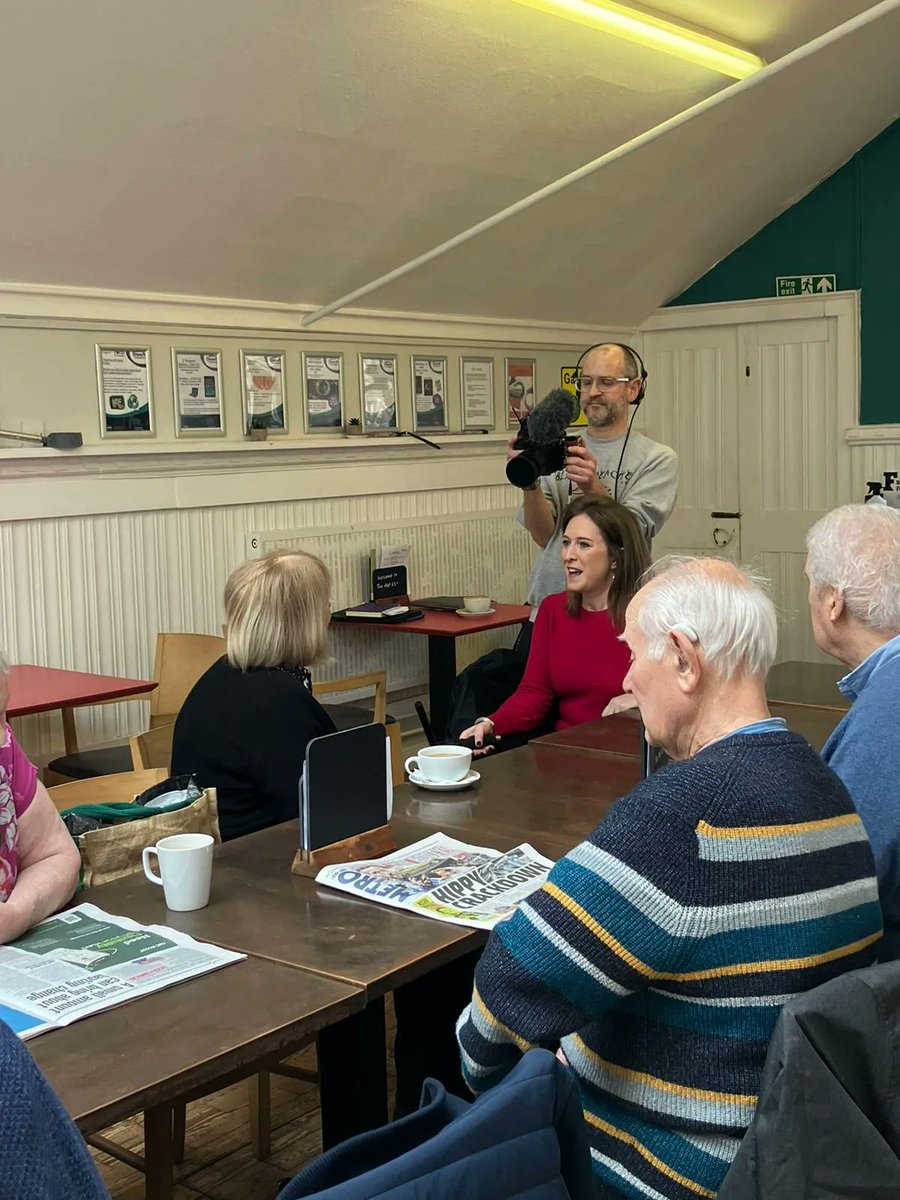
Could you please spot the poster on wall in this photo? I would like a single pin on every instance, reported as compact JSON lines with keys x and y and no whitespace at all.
{"x":123,"y":383}
{"x":429,"y":381}
{"x":197,"y":384}
{"x":476,"y":384}
{"x":262,"y":377}
{"x":567,"y":381}
{"x":323,"y":389}
{"x":378,"y":387}
{"x":519,"y":389}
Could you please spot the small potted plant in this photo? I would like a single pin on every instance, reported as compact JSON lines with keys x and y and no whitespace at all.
{"x":353,"y":427}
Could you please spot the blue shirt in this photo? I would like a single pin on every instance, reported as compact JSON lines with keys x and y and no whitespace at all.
{"x":864,"y":750}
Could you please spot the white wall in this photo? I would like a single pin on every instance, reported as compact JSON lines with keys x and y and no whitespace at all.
{"x":103,"y":547}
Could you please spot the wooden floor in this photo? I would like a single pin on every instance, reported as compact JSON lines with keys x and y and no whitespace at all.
{"x":219,"y":1164}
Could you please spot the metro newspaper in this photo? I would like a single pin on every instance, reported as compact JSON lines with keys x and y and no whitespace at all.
{"x":445,"y":879}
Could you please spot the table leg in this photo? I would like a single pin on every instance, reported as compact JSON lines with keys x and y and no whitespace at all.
{"x":158,"y":1153}
{"x":441,"y":674}
{"x":353,"y":1075}
{"x":69,"y":734}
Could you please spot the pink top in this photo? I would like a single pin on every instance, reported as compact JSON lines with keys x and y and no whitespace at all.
{"x":18,"y":782}
{"x":577,"y":663}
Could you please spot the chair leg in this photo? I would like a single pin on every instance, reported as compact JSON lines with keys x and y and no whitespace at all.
{"x":179,"y":1121}
{"x":259,"y":1096}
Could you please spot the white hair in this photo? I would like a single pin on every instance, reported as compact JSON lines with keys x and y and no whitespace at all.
{"x":723,"y":607}
{"x":4,"y":663}
{"x":856,"y":550}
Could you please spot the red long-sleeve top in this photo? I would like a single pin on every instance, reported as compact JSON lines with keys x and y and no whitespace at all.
{"x":577,"y":663}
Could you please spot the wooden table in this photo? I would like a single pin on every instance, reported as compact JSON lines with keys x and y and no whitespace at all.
{"x":807,"y":683}
{"x":619,"y":735}
{"x":184,"y":1042}
{"x":815,"y":724}
{"x":41,"y":689}
{"x":544,"y":795}
{"x":442,"y":629}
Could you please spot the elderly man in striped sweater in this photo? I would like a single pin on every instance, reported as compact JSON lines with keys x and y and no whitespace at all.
{"x":660,"y":951}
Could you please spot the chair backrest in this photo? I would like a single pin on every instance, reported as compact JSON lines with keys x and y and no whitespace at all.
{"x":153,"y":748}
{"x":181,"y":658}
{"x":351,"y":683}
{"x":106,"y":789}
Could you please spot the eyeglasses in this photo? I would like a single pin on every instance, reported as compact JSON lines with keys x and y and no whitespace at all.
{"x":604,"y":382}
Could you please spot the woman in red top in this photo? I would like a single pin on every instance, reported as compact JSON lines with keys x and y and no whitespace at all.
{"x":576,"y":663}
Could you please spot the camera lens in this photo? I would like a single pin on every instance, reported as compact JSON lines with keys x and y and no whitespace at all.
{"x":523,"y":471}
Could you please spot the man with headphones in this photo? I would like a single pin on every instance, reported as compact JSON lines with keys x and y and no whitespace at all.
{"x":611,"y":461}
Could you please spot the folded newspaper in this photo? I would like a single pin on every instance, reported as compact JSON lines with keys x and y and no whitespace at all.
{"x":83,"y":960}
{"x":449,"y":880}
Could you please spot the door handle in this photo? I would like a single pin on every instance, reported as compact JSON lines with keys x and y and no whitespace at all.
{"x":725,"y":516}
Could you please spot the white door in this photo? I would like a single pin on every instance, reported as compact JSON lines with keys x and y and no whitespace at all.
{"x":691,"y":405}
{"x":756,"y":397}
{"x":796,"y":402}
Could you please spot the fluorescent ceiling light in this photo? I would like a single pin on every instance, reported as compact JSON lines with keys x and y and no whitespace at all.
{"x":636,"y":26}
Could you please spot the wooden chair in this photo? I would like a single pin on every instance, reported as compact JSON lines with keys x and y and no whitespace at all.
{"x":348,"y":716}
{"x":181,"y":658}
{"x":105,"y":789}
{"x":153,"y":748}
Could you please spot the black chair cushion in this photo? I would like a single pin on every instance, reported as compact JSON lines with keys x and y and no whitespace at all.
{"x":86,"y":764}
{"x":351,"y":716}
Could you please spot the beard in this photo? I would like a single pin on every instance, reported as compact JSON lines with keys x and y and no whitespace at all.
{"x":601,"y":416}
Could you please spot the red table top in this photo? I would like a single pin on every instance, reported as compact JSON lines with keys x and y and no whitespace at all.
{"x":448,"y":624}
{"x":41,"y":689}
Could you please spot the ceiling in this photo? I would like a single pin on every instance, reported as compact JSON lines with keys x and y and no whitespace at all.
{"x":294,"y":150}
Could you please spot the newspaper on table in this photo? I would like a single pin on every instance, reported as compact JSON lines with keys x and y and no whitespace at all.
{"x":83,"y":960}
{"x":449,"y":880}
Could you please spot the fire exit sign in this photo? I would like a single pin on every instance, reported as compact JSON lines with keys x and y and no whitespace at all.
{"x":805,"y":285}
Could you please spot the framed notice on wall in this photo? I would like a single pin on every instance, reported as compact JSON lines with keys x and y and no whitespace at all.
{"x":125,"y":391}
{"x":476,"y":385}
{"x":429,"y":383}
{"x":197,"y":384}
{"x":262,"y":381}
{"x":324,"y":391}
{"x":378,"y":389}
{"x":519,"y":389}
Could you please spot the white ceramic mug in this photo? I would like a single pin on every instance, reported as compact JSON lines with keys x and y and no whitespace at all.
{"x":441,"y":764}
{"x":476,"y":604}
{"x":185,"y":869}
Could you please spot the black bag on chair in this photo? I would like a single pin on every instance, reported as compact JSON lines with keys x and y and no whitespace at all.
{"x":481,"y":688}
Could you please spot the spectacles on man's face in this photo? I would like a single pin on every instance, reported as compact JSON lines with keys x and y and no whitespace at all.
{"x":586,"y":383}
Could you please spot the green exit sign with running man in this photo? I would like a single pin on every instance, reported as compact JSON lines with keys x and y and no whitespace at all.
{"x":805,"y":285}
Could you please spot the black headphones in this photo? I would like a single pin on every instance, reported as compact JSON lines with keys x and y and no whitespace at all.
{"x":627,"y":350}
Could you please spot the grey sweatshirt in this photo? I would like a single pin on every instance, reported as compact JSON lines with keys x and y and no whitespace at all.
{"x":647,"y":485}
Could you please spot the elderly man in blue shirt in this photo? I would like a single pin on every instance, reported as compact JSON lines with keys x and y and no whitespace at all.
{"x":853,"y":567}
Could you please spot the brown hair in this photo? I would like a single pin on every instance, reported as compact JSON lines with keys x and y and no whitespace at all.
{"x":626,"y":545}
{"x":277,"y":611}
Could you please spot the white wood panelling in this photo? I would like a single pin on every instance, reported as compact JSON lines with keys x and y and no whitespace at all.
{"x":90,"y":592}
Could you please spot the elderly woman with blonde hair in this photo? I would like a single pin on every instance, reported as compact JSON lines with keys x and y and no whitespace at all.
{"x":246,"y":724}
{"x":39,"y":862}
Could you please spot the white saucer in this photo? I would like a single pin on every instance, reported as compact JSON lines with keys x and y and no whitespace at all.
{"x":466,"y":781}
{"x":464,"y":612}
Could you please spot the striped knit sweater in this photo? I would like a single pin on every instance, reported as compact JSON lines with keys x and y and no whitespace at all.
{"x":661,"y":949}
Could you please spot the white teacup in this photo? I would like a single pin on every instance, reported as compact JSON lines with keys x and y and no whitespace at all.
{"x":185,"y":869}
{"x":441,"y":764}
{"x":476,"y":604}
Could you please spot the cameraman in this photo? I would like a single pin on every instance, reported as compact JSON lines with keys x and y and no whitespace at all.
{"x":647,"y":472}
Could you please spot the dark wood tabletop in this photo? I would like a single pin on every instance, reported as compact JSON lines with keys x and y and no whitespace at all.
{"x":199,"y":1034}
{"x":807,"y":683}
{"x":620,"y":734}
{"x":815,"y":724}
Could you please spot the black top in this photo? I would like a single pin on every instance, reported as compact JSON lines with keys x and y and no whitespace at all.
{"x":245,"y":734}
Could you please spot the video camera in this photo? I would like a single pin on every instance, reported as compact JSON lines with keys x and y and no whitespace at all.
{"x":543,"y":440}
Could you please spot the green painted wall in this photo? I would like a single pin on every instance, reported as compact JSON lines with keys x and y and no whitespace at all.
{"x":847,"y":225}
